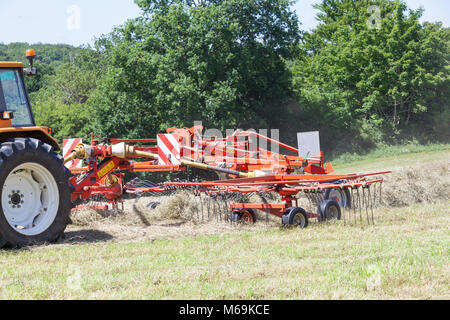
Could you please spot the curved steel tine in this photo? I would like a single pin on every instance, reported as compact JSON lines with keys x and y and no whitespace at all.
{"x":359,"y":205}
{"x":366,"y":205}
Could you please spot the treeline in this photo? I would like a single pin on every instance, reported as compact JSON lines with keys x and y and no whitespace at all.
{"x":362,"y":77}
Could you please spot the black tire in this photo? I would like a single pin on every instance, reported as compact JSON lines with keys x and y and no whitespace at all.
{"x":329,"y":210}
{"x":18,"y":151}
{"x":344,"y":192}
{"x":290,"y":217}
{"x":237,"y":216}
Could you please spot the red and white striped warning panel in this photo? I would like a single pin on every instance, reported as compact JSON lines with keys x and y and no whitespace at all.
{"x":68,"y":146}
{"x":168,"y":150}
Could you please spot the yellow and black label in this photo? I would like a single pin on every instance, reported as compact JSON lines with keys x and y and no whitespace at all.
{"x":107,"y":168}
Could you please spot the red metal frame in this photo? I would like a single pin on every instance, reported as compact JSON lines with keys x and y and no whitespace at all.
{"x":234,"y":151}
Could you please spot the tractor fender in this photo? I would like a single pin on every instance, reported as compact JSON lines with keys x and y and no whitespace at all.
{"x":40,"y":133}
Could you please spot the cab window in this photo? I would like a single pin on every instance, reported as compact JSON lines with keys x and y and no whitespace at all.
{"x":15,"y":98}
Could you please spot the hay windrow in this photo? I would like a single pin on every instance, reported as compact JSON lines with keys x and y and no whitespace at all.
{"x":417,"y":184}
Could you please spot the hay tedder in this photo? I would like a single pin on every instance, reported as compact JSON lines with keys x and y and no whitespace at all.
{"x":251,"y":169}
{"x":39,"y":188}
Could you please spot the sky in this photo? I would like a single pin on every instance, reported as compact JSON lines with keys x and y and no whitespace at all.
{"x":78,"y":22}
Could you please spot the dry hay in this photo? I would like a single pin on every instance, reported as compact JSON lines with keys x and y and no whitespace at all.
{"x":177,"y":215}
{"x":182,"y":205}
{"x":417,"y":184}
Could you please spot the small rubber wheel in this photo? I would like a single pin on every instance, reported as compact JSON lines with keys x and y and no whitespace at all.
{"x":329,"y":210}
{"x":341,"y":196}
{"x":243,"y":216}
{"x":295,"y":217}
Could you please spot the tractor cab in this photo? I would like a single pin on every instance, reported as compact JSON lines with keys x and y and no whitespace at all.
{"x":16,"y":116}
{"x":14,"y":102}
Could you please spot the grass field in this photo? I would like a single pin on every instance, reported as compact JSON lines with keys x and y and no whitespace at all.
{"x":405,"y":255}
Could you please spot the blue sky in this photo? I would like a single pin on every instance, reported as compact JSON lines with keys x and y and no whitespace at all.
{"x":78,"y":22}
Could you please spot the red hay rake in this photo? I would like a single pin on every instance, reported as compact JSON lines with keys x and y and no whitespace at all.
{"x":333,"y":196}
{"x":253,"y":169}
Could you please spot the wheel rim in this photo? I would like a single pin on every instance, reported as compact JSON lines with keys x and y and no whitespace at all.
{"x":30,"y":199}
{"x":246,"y":217}
{"x":299,"y":220}
{"x":332,"y":213}
{"x":338,"y":196}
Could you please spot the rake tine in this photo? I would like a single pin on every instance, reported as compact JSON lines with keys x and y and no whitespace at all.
{"x":201,"y":203}
{"x":359,"y":205}
{"x":267,"y":209}
{"x":355,"y":207}
{"x":374,"y":195}
{"x":220,"y":207}
{"x":213,"y":207}
{"x":379,"y":200}
{"x":224,"y":206}
{"x":208,"y":202}
{"x":343,"y":213}
{"x":371,"y":206}
{"x":217,"y":209}
{"x":366,"y":204}
{"x":352,"y":205}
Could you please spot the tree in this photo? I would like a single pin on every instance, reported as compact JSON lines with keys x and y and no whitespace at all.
{"x":48,"y":58}
{"x":64,"y":102}
{"x":222,"y":62}
{"x":372,"y":77}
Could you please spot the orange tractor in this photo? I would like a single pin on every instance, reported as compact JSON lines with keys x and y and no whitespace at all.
{"x":35,"y":200}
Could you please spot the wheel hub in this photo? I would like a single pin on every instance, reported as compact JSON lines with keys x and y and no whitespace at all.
{"x":339,"y":197}
{"x":299,"y":220}
{"x":16,"y":198}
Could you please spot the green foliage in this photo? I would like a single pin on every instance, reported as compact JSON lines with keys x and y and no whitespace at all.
{"x":222,"y":62}
{"x":63,"y":104}
{"x":370,"y":84}
{"x":48,"y":58}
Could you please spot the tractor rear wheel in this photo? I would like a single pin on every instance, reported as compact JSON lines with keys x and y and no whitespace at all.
{"x":35,"y":199}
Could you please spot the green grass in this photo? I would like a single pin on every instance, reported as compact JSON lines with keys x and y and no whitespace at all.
{"x":392,"y":157}
{"x":404,"y":255}
{"x":389,"y":151}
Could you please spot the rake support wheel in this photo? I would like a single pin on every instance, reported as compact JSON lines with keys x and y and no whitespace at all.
{"x":243,"y":215}
{"x":295,"y":217}
{"x":329,"y":210}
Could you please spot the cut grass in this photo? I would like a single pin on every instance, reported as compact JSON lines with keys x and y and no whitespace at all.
{"x":403,"y":256}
